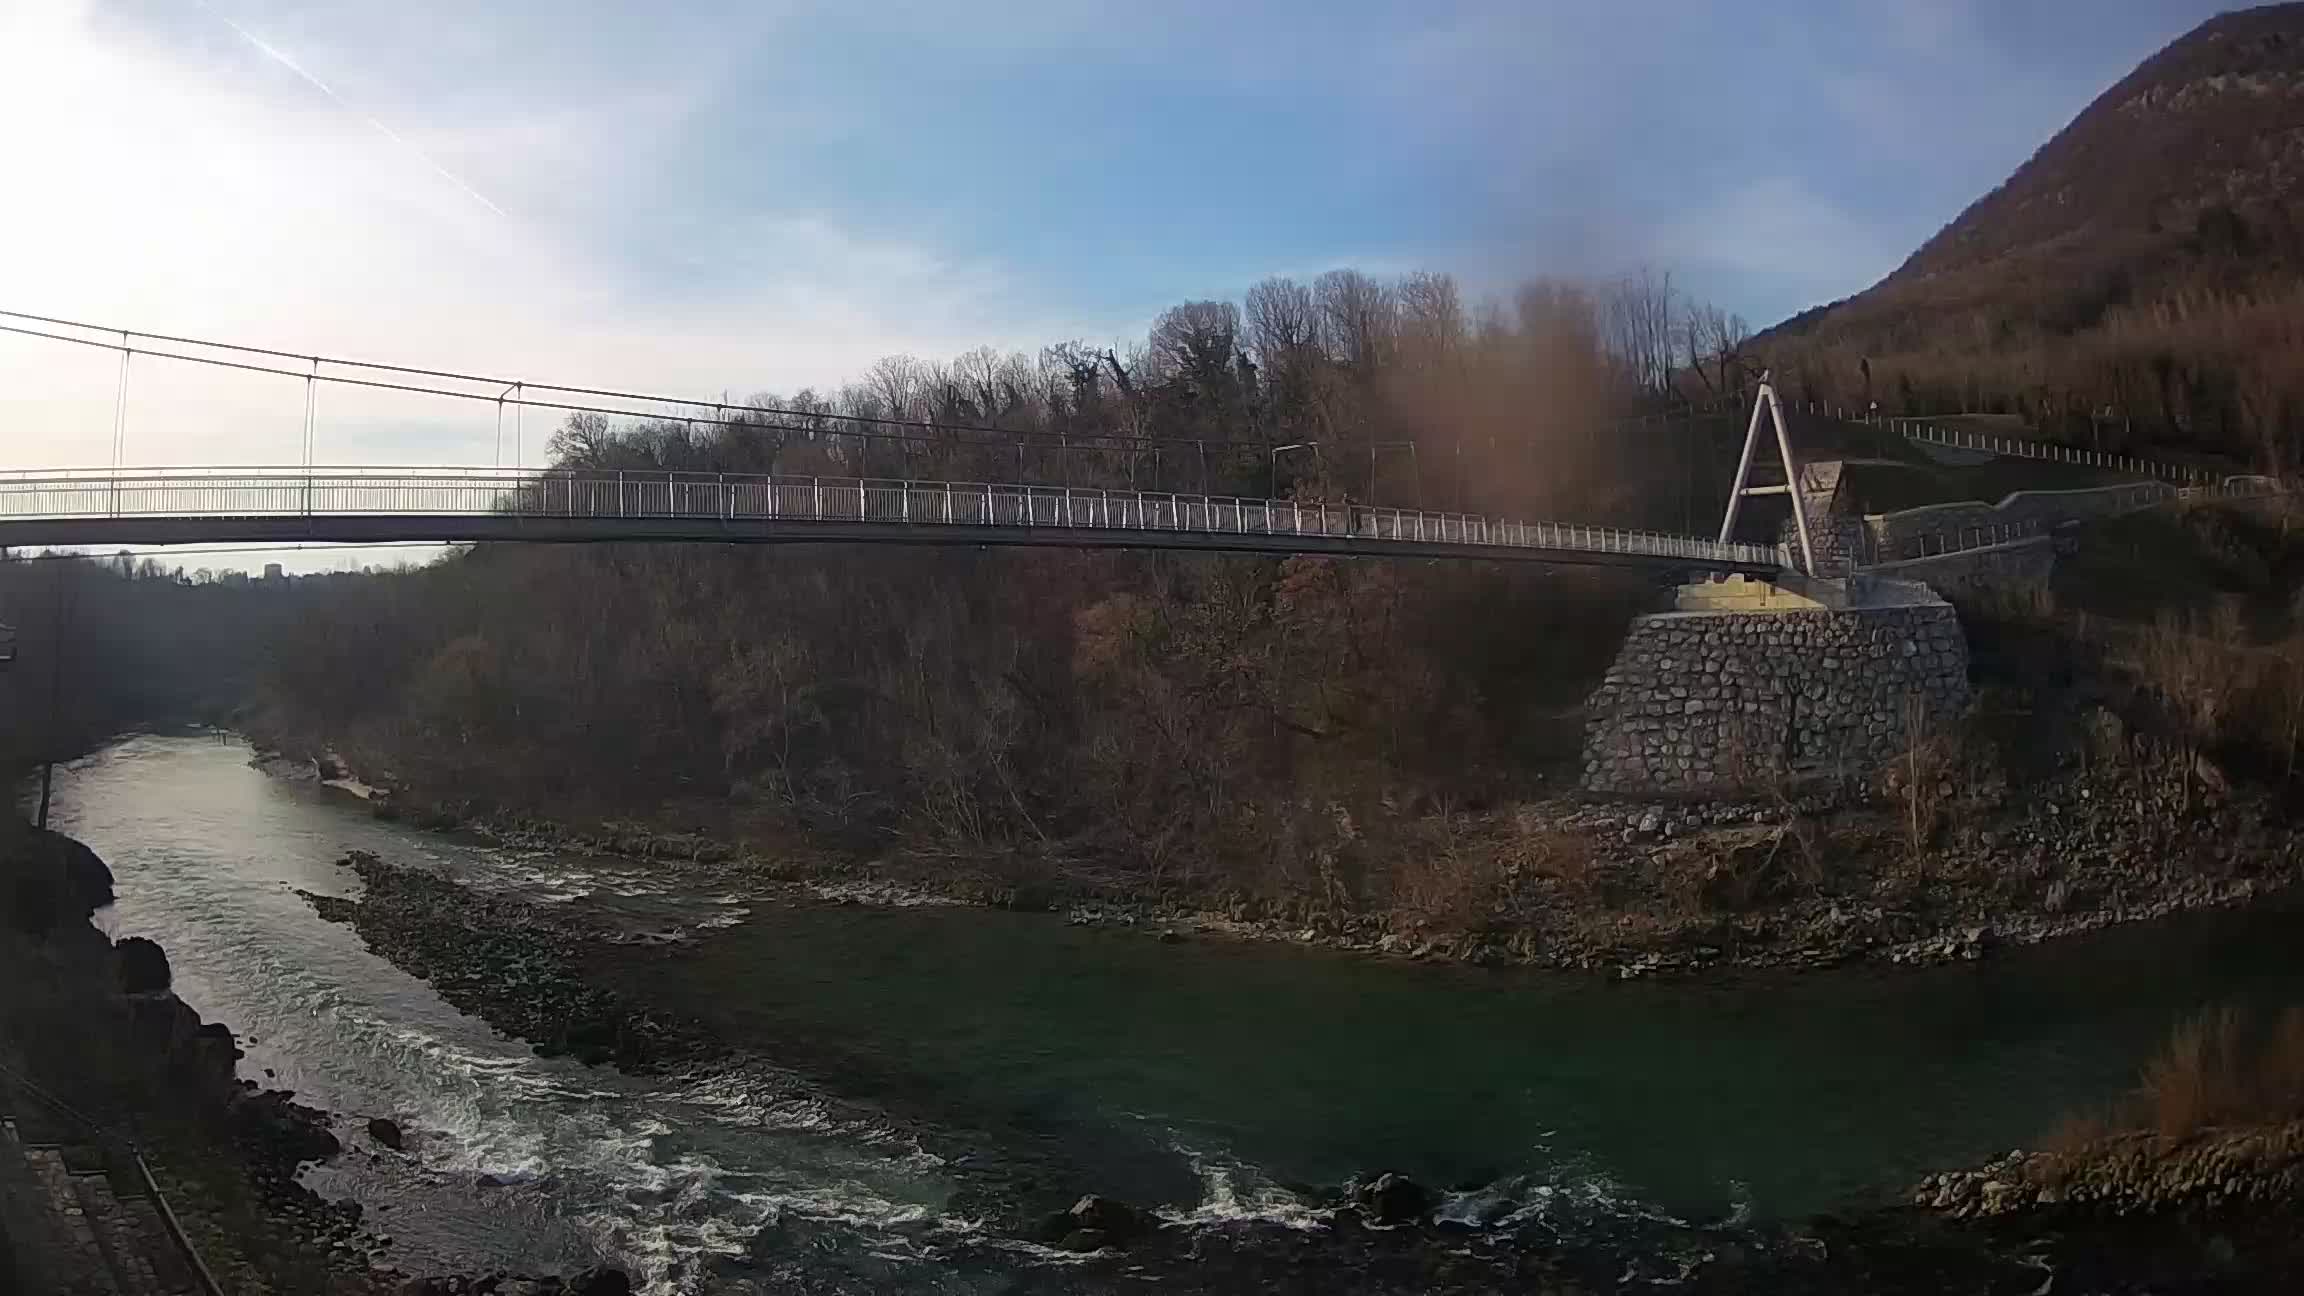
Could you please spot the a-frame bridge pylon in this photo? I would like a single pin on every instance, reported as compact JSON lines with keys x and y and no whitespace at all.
{"x":1765,"y":405}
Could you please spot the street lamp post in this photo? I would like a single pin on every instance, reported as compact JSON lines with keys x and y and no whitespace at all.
{"x":1278,"y":450}
{"x":1415,"y":470}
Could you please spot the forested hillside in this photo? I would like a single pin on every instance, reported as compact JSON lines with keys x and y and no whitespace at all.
{"x":107,"y":644}
{"x":1394,"y":391}
{"x":2138,"y":283}
{"x":1281,"y":723}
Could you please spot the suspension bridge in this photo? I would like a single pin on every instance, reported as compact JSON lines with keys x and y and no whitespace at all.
{"x":363,"y":505}
{"x":309,"y":503}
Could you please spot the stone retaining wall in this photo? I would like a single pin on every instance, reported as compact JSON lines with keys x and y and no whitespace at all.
{"x":1933,"y":528}
{"x":1713,"y":702}
{"x":2017,"y":569}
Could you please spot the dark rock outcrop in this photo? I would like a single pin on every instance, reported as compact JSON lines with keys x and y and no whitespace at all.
{"x":143,"y":967}
{"x":1390,"y":1200}
{"x":147,"y":1049}
{"x":281,"y":1132}
{"x":88,"y":881}
{"x":48,"y":882}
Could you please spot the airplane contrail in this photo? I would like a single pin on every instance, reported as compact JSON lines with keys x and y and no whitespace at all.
{"x":281,"y":57}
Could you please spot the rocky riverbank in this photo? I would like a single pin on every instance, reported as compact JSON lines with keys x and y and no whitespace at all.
{"x":528,"y":970}
{"x":1382,"y":1234}
{"x":2132,"y":1174}
{"x":2212,"y":1211}
{"x":101,"y":1022}
{"x":1634,"y":889}
{"x":512,"y":964}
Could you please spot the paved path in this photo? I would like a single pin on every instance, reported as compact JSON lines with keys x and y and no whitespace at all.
{"x":75,"y":1220}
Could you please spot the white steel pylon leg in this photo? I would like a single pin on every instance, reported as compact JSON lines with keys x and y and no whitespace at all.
{"x":1766,"y":404}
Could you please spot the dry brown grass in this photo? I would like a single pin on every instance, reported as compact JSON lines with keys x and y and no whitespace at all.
{"x":1447,"y":890}
{"x":2027,"y":605}
{"x":1462,"y":876}
{"x":1944,"y":759}
{"x":1539,"y":850}
{"x":2195,"y":667}
{"x":2222,"y":1069}
{"x":1733,"y":870}
{"x":2202,"y":1078}
{"x":2225,"y":680}
{"x":2217,"y":690}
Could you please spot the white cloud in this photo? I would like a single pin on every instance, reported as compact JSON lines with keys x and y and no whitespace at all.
{"x":196,"y":187}
{"x":1780,"y":228}
{"x":1931,"y":27}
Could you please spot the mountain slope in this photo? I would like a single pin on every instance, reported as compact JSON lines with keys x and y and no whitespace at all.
{"x":2141,"y":277}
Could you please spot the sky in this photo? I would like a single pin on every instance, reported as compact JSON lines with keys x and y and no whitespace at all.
{"x":751,"y":195}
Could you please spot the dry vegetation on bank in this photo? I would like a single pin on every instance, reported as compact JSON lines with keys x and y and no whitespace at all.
{"x":2212,"y":1138}
{"x":2227,"y":1069}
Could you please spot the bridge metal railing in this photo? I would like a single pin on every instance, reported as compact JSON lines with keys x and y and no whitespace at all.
{"x":1927,"y":433}
{"x":1971,"y":535}
{"x":732,"y":498}
{"x":1872,"y":552}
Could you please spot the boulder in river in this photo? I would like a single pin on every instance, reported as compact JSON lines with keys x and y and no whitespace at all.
{"x":1096,"y":1222}
{"x":143,"y":966}
{"x":386,"y":1133}
{"x":601,"y":1280}
{"x":1390,"y":1200}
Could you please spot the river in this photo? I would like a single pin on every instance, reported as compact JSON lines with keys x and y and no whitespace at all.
{"x":1205,"y":1078}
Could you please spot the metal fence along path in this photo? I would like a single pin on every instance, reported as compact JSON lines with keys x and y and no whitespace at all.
{"x":2049,"y":451}
{"x":184,"y":505}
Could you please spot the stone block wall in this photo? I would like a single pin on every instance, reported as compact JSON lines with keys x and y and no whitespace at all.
{"x":1713,"y":702}
{"x":1837,"y":540}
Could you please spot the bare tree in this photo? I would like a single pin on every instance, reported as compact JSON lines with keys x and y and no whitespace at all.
{"x":1638,"y":313}
{"x":584,"y":441}
{"x":1196,"y":342}
{"x":1555,"y":314}
{"x":1431,"y":316}
{"x":901,"y":384}
{"x":1711,"y":344}
{"x":1283,"y":323}
{"x":980,"y":379}
{"x":1076,"y":373}
{"x":1358,"y":319}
